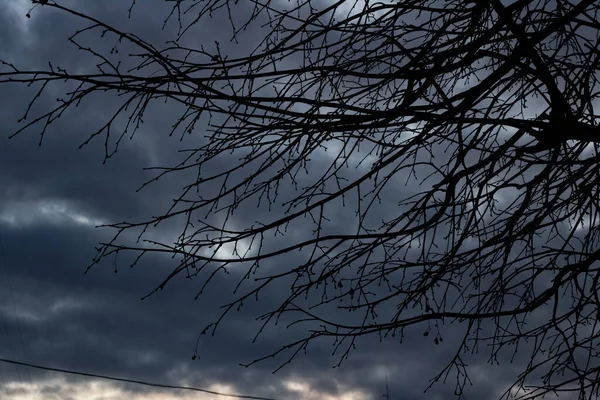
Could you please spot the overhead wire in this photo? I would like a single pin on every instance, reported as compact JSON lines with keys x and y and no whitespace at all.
{"x":145,"y":383}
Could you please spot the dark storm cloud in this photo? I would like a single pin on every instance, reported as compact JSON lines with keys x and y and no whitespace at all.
{"x":97,"y":322}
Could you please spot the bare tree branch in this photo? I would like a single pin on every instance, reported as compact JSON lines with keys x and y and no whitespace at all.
{"x":496,"y":224}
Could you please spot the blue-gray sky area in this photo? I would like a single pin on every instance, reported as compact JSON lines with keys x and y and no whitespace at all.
{"x":51,"y":313}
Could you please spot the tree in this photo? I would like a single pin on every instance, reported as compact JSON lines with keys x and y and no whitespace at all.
{"x":498,"y":228}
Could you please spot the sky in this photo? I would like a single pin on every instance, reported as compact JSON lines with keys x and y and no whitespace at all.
{"x":52,"y":314}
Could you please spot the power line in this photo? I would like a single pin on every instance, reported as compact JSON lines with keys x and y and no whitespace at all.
{"x":112,"y":378}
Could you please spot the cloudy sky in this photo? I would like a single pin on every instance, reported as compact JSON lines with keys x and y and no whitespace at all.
{"x":52,"y":314}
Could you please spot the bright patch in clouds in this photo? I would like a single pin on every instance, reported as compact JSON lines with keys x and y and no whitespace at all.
{"x":306,"y":393}
{"x":57,"y":388}
{"x":222,"y":247}
{"x":19,"y":9}
{"x":351,"y":8}
{"x":45,"y":211}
